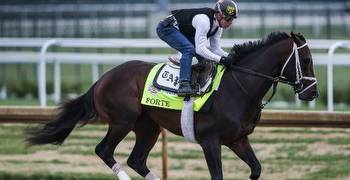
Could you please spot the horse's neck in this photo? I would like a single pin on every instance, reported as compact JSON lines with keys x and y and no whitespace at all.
{"x":268,"y":62}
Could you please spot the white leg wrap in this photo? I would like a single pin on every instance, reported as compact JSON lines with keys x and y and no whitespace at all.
{"x":151,"y":176}
{"x":123,"y":176}
{"x":117,"y":169}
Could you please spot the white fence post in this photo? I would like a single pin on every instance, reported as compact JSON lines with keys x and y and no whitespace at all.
{"x":331,"y":51}
{"x":57,"y":81}
{"x":42,"y":72}
{"x":3,"y":92}
{"x":95,"y":73}
{"x":95,"y":59}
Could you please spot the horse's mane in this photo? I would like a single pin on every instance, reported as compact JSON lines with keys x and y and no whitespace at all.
{"x":241,"y":50}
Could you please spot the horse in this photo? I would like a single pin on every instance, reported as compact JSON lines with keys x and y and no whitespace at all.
{"x":233,"y":113}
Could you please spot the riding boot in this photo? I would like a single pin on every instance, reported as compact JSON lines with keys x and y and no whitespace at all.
{"x":185,"y":89}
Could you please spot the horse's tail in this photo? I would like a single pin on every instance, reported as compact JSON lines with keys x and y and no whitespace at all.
{"x":80,"y":109}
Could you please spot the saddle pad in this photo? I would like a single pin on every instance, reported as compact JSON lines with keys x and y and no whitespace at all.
{"x":153,"y":96}
{"x":168,"y":78}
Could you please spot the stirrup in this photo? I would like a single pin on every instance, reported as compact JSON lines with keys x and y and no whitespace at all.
{"x":182,"y":94}
{"x":194,"y":91}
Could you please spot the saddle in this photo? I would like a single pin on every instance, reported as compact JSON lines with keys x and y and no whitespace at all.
{"x":203,"y":74}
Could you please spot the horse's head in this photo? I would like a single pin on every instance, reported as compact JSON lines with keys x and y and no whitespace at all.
{"x":298,"y":71}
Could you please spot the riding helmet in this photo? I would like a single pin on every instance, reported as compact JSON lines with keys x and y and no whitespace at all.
{"x":227,"y":7}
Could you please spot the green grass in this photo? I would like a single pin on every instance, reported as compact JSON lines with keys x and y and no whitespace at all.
{"x":55,"y":161}
{"x":290,"y":152}
{"x":57,"y":176}
{"x":304,"y":131}
{"x":11,"y":140}
{"x":285,"y":140}
{"x":178,"y":165}
{"x":339,"y":141}
{"x":185,"y":154}
{"x":23,"y":102}
{"x":330,"y":172}
{"x":329,"y":158}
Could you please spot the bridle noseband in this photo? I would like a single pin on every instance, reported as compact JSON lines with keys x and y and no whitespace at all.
{"x":297,"y":85}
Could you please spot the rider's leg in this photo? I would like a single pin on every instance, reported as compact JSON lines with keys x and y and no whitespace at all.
{"x":178,"y":41}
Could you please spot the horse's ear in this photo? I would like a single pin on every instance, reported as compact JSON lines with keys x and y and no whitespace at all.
{"x":294,"y":36}
{"x":297,"y":36}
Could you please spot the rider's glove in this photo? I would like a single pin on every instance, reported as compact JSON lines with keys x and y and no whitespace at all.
{"x":226,"y":61}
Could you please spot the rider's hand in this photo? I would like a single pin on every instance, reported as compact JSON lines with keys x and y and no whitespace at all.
{"x":226,"y":61}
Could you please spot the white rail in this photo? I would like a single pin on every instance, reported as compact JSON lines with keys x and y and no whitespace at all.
{"x":95,"y":59}
{"x":330,"y":63}
{"x":130,"y":43}
{"x":12,"y":57}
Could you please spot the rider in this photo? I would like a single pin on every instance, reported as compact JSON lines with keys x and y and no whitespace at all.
{"x":188,"y":30}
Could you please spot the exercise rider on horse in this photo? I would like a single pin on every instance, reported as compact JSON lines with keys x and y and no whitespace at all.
{"x":188,"y":30}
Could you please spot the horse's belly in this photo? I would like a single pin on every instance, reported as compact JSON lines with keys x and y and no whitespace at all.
{"x":168,"y":119}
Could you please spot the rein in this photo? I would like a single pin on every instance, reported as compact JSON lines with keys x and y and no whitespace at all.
{"x":274,"y":80}
{"x":280,"y":78}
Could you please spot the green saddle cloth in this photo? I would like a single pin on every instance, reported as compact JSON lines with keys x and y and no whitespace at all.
{"x":153,"y":96}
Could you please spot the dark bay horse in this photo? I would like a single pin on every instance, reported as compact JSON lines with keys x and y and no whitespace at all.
{"x":233,"y":114}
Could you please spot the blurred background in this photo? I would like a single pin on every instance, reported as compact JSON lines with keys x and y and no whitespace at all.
{"x":320,"y":19}
{"x":82,"y":39}
{"x":36,"y":21}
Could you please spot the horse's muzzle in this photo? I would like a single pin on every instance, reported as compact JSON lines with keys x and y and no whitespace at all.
{"x":309,"y":96}
{"x":315,"y":94}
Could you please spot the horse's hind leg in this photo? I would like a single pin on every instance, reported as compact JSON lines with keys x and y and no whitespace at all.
{"x":147,"y":133}
{"x":106,"y":147}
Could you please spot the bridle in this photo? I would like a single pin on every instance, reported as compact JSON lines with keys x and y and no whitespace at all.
{"x":297,"y":84}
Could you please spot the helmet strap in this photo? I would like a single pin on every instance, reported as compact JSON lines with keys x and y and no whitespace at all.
{"x":218,"y":7}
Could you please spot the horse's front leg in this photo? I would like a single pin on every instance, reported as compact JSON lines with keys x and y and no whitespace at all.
{"x":244,"y":151}
{"x":212,"y":152}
